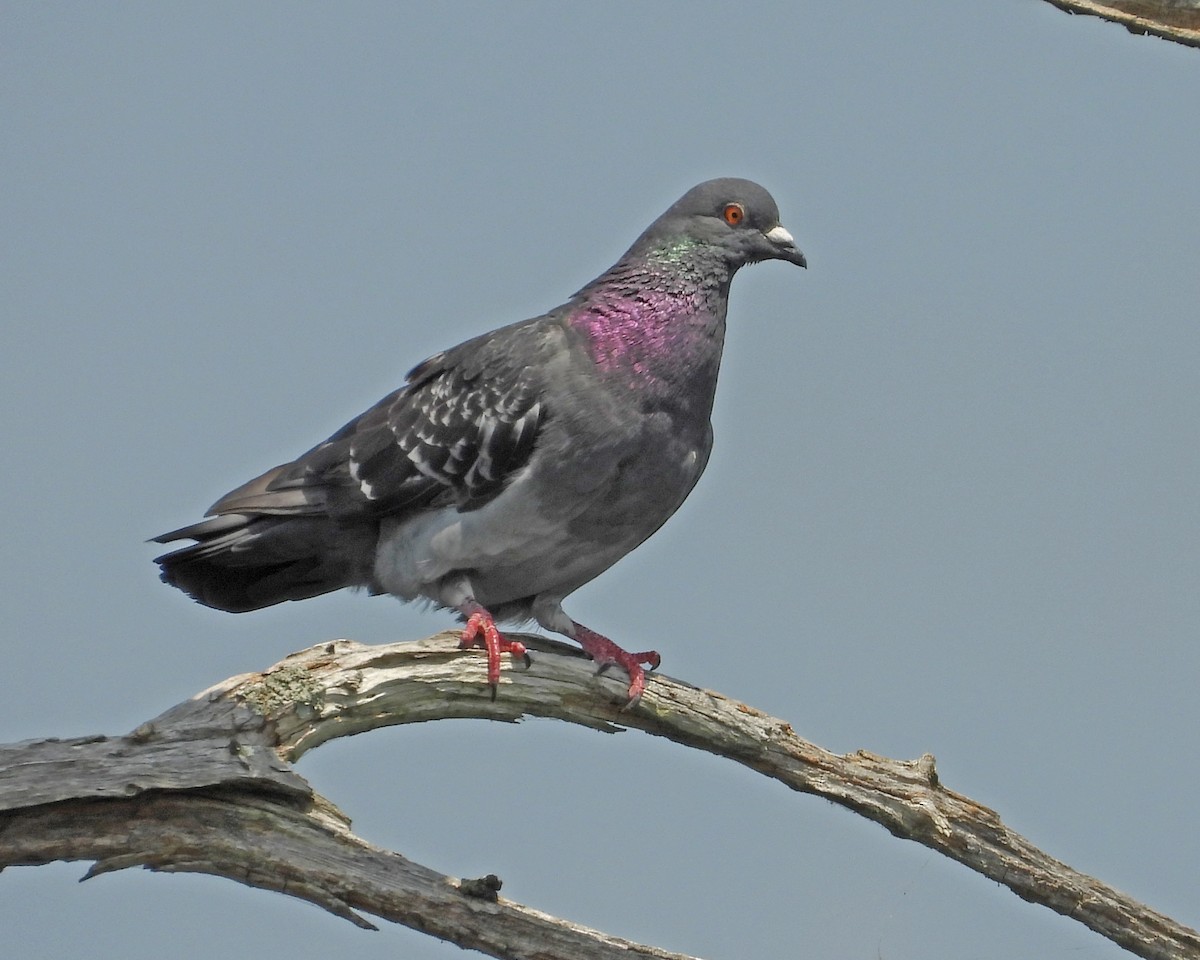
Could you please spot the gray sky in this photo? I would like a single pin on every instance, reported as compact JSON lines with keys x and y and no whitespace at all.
{"x":952,"y":505}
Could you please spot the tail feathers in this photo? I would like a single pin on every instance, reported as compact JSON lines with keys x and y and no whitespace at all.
{"x":244,"y":562}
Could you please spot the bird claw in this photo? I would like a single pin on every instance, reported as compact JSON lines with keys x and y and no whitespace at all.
{"x":480,"y":631}
{"x":608,"y":654}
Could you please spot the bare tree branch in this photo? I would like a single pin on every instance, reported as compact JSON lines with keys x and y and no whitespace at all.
{"x":208,"y":787}
{"x":1177,"y":20}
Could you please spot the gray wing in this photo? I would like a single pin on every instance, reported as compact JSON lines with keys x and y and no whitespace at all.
{"x":465,"y":421}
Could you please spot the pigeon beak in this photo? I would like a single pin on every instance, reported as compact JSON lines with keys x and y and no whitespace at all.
{"x":785,"y":246}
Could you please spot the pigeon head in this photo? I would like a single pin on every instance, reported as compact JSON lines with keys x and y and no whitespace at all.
{"x":735,"y":220}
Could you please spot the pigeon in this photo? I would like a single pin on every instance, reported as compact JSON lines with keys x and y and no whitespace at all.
{"x":511,"y":469}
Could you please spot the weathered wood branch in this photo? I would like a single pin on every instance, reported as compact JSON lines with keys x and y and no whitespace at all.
{"x":1177,"y":20}
{"x":208,"y":787}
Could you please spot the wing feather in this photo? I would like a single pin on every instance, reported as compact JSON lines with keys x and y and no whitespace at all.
{"x":463,"y":424}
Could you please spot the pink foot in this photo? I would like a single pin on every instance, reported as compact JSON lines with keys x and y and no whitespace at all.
{"x":606,"y":654}
{"x":480,"y":631}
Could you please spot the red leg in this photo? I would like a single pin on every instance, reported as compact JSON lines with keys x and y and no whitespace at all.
{"x":606,"y":653}
{"x":480,"y":631}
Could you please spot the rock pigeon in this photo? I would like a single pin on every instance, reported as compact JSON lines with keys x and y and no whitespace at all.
{"x":517,"y":466}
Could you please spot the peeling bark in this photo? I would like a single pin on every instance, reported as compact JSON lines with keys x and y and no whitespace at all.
{"x":208,"y":787}
{"x":1176,"y":20}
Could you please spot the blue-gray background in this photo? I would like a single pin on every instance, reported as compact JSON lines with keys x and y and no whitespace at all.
{"x":952,"y":506}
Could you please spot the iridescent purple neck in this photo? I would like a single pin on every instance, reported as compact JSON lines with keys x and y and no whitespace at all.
{"x":655,"y":324}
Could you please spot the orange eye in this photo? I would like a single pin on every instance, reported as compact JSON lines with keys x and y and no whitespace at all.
{"x":734,"y":213}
